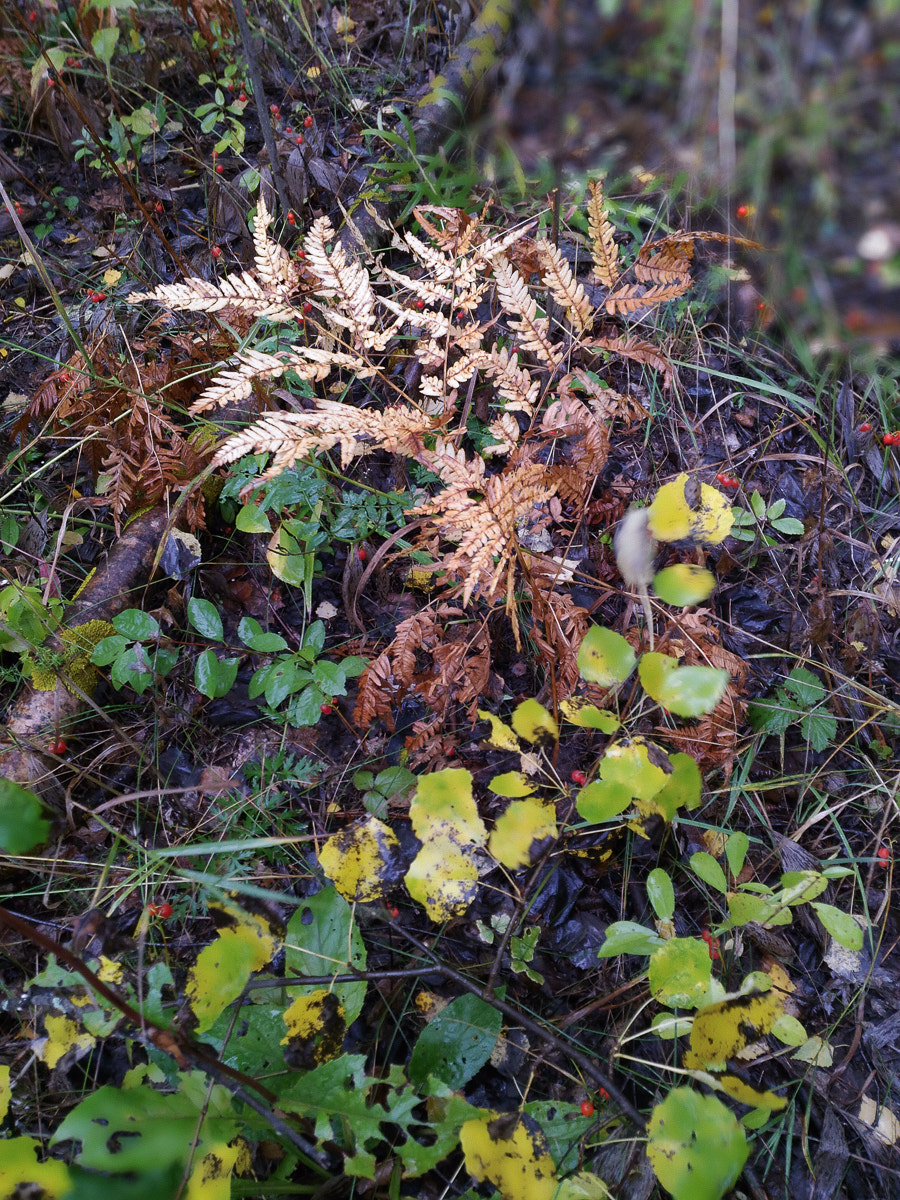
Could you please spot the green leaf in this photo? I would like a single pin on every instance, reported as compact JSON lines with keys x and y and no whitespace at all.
{"x":21,"y":1172}
{"x":605,"y":657}
{"x":736,"y":852}
{"x":788,"y":525}
{"x":602,"y":800}
{"x":805,"y":687}
{"x":252,"y":634}
{"x":223,"y":968}
{"x":215,"y":677}
{"x":252,"y":519}
{"x":770,"y":716}
{"x":661,"y":893}
{"x":685,"y":691}
{"x":511,"y":783}
{"x":23,"y":825}
{"x":695,"y":1145}
{"x":135,"y":625}
{"x":581,"y":712}
{"x":819,"y":729}
{"x":139,"y":1129}
{"x":108,"y":650}
{"x":630,"y":764}
{"x":680,"y":972}
{"x":842,"y":926}
{"x":684,"y":584}
{"x":682,"y":789}
{"x":323,"y":938}
{"x":628,"y":937}
{"x":758,"y":505}
{"x":456,"y":1043}
{"x":706,"y":868}
{"x":103,"y":43}
{"x":205,"y":619}
{"x":306,"y":708}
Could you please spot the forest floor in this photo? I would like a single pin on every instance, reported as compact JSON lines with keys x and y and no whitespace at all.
{"x":352,"y":725}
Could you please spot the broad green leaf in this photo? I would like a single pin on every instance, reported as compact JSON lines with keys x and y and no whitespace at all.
{"x":661,"y":893}
{"x":685,"y":691}
{"x":320,"y":936}
{"x":252,"y":519}
{"x":708,"y":869}
{"x":21,"y":1172}
{"x":744,"y":908}
{"x":316,"y":1024}
{"x":534,"y":723}
{"x":581,"y":712}
{"x":103,"y":43}
{"x":222,"y":969}
{"x":252,"y":634}
{"x":736,"y":851}
{"x":525,"y":825}
{"x":602,"y":800}
{"x":205,"y":619}
{"x":214,"y":677}
{"x":815,"y":1051}
{"x":456,"y":1043}
{"x":108,"y":649}
{"x":684,"y":584}
{"x":680,"y":971}
{"x":799,"y":887}
{"x":671,"y":519}
{"x":771,"y":716}
{"x":135,"y":625}
{"x":288,"y":558}
{"x":511,"y":783}
{"x":605,"y":657}
{"x":251,"y":1044}
{"x":841,"y":925}
{"x":805,"y":687}
{"x":695,"y":1145}
{"x":682,"y":789}
{"x":789,"y":525}
{"x":139,"y":1129}
{"x":628,"y":937}
{"x":23,"y":825}
{"x":511,"y":1152}
{"x":819,"y":729}
{"x":362,"y":860}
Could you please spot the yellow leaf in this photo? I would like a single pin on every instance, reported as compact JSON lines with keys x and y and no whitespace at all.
{"x":512,"y":784}
{"x":211,"y":1176}
{"x":743,"y":1092}
{"x":19,"y":1165}
{"x":111,"y":277}
{"x":223,"y":968}
{"x":532,"y":722}
{"x":316,"y":1025}
{"x":525,"y":824}
{"x":360,"y":860}
{"x":444,"y":804}
{"x":110,"y":972}
{"x":442,"y":878}
{"x":63,"y":1035}
{"x":720,"y":1031}
{"x":512,"y":1153}
{"x":502,"y":737}
{"x":5,"y":1091}
{"x":673,"y":519}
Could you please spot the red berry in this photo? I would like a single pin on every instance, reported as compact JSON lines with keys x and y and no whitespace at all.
{"x":307,"y":121}
{"x":70,"y":62}
{"x":889,"y":439}
{"x":215,"y":154}
{"x":291,"y":219}
{"x":242,"y":97}
{"x":884,"y":854}
{"x":865,"y":427}
{"x":420,"y":304}
{"x":326,"y":709}
{"x":216,"y":252}
{"x":449,"y":751}
{"x":230,"y":86}
{"x":712,"y":944}
{"x":163,"y":911}
{"x":219,"y":169}
{"x":19,"y":209}
{"x":288,"y":129}
{"x":579,"y":777}
{"x":603,"y":1093}
{"x":273,"y":109}
{"x":299,"y":139}
{"x":743,"y":210}
{"x":307,"y":307}
{"x":301,"y":254}
{"x":159,"y":208}
{"x":393,"y":911}
{"x":361,"y":552}
{"x":58,"y":747}
{"x":32,"y":16}
{"x":587,"y":1109}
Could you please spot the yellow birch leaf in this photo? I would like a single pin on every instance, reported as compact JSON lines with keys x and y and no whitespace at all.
{"x":5,"y":1091}
{"x":222,"y":969}
{"x":526,"y":823}
{"x":316,"y":1025}
{"x":444,"y":804}
{"x":512,"y":784}
{"x":211,"y":1176}
{"x":360,"y":860}
{"x":534,"y":723}
{"x":443,"y":878}
{"x":19,"y":1166}
{"x":512,"y":1153}
{"x":63,"y":1035}
{"x":720,"y":1031}
{"x":502,"y":737}
{"x":672,"y":519}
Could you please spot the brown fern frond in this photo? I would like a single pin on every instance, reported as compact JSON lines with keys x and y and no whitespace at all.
{"x":505,"y":432}
{"x":453,"y":466}
{"x":242,"y":292}
{"x":274,"y":268}
{"x":465,"y":291}
{"x":570,"y":418}
{"x":459,"y":227}
{"x":672,"y":240}
{"x":485,"y":528}
{"x":232,"y":385}
{"x":533,"y":331}
{"x":496,"y":247}
{"x":670,"y":266}
{"x":635,"y":296}
{"x":389,"y":676}
{"x":638,"y":350}
{"x":559,"y":628}
{"x":604,"y":250}
{"x":563,"y":286}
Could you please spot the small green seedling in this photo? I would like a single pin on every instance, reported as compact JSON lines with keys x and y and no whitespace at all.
{"x":800,"y":700}
{"x":393,"y":783}
{"x":748,"y":526}
{"x":134,"y":651}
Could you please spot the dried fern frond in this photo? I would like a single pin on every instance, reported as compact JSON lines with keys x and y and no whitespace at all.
{"x":230,"y":386}
{"x":242,"y":291}
{"x":669,"y":266}
{"x":564,"y":288}
{"x":493,"y":248}
{"x":347,"y":281}
{"x":273,"y":266}
{"x":506,"y":433}
{"x":485,"y":528}
{"x":464,"y":291}
{"x":604,"y":250}
{"x":453,"y":466}
{"x":533,"y":331}
{"x":459,"y":231}
{"x":635,"y":297}
{"x":358,"y":431}
{"x":638,"y":350}
{"x":386,"y":679}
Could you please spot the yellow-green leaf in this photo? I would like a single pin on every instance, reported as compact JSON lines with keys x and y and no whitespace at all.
{"x":211,"y":1176}
{"x":672,"y":519}
{"x":512,"y":784}
{"x":605,"y":657}
{"x":63,"y":1035}
{"x":5,"y":1090}
{"x":721,"y":1030}
{"x":316,"y":1024}
{"x":681,"y":790}
{"x":525,"y":823}
{"x":581,"y":712}
{"x":444,"y":803}
{"x":685,"y":691}
{"x":534,"y":723}
{"x":442,"y":878}
{"x":361,"y":860}
{"x":512,"y":1153}
{"x":602,"y":800}
{"x":679,"y":973}
{"x":683,"y":584}
{"x":734,"y":1087}
{"x":695,"y":1145}
{"x":19,"y":1166}
{"x":223,"y":968}
{"x":629,"y":763}
{"x":502,"y":737}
